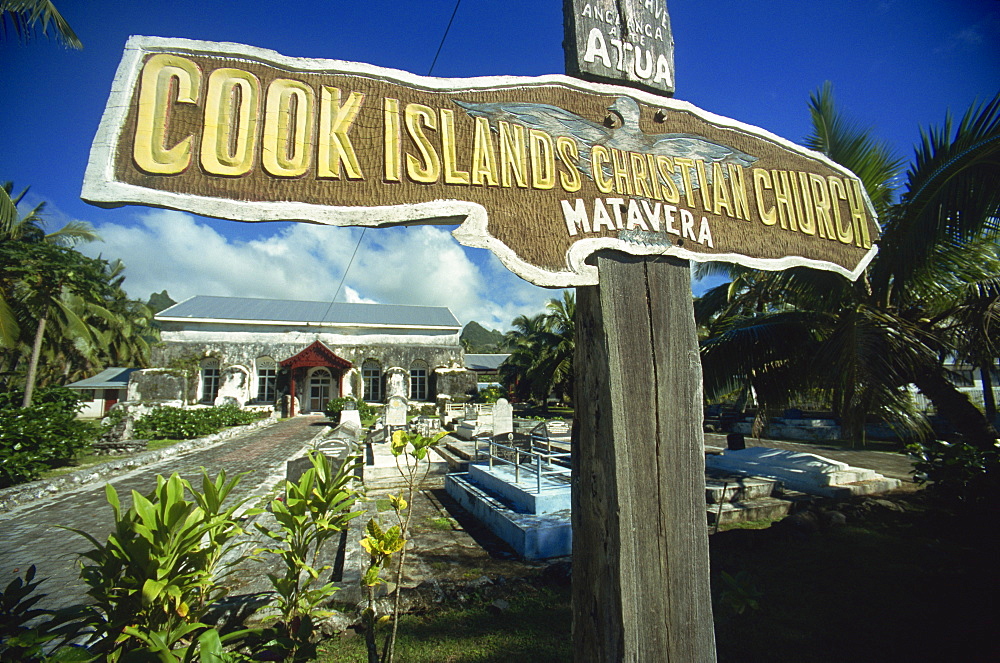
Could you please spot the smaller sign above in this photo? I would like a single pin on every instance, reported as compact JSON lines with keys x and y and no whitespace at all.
{"x":620,"y":41}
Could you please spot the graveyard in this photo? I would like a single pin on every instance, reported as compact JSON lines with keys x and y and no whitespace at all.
{"x":472,"y":589}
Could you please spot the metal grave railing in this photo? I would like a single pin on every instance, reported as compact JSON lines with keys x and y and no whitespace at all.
{"x":534,"y":461}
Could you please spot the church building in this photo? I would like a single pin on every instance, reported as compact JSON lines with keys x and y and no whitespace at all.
{"x":259,"y":351}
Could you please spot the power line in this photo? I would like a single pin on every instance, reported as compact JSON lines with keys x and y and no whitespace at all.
{"x":444,"y":36}
{"x":364,"y":230}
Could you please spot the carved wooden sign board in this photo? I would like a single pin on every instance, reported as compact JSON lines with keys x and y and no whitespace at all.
{"x":543,"y":171}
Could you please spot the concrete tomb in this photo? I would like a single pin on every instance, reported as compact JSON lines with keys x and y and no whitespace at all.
{"x":521,"y":496}
{"x":805,"y":472}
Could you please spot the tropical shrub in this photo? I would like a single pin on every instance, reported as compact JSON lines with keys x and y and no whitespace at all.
{"x":174,"y":423}
{"x":490,"y":394}
{"x":411,"y":451}
{"x":958,"y":472}
{"x":157,"y":574}
{"x":338,"y":405}
{"x":310,"y":512}
{"x":26,"y":631}
{"x":45,"y":434}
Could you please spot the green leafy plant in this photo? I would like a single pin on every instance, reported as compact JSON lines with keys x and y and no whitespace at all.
{"x":43,"y":435}
{"x":157,"y":574}
{"x":174,"y":423}
{"x":490,"y":394}
{"x":739,"y":593}
{"x":380,"y":544}
{"x":960,"y":473}
{"x":310,"y":512}
{"x":25,"y":630}
{"x":411,"y":452}
{"x":337,"y":405}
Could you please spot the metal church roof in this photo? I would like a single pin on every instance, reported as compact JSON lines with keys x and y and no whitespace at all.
{"x":245,"y":309}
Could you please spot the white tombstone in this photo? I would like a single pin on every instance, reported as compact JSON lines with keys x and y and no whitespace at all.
{"x":350,"y":416}
{"x":503,"y":417}
{"x":395,"y":411}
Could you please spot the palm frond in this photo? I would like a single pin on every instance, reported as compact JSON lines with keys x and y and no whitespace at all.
{"x":73,"y":233}
{"x":24,"y":15}
{"x":9,"y":329}
{"x":8,"y":213}
{"x":952,"y":196}
{"x":853,"y":147}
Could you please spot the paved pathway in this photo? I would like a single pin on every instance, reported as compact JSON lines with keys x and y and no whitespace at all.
{"x":886,"y":463}
{"x":29,"y":534}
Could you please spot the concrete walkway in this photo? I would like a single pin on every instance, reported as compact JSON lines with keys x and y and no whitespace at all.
{"x":30,"y":534}
{"x":886,"y":463}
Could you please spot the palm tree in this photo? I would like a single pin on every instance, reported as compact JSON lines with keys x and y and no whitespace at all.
{"x":24,"y":16}
{"x":862,"y":343}
{"x":82,"y":319}
{"x":522,"y":342}
{"x":541,"y":351}
{"x":30,"y":227}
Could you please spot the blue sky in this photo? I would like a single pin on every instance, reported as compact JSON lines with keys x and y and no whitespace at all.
{"x":896,"y":66}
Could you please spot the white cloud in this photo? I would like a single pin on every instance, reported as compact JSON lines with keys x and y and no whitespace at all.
{"x":419,"y":265}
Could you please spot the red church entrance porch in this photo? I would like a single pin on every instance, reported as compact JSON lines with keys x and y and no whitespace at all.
{"x":316,"y":376}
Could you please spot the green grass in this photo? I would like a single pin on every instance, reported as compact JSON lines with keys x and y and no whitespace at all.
{"x":90,"y":460}
{"x":534,"y":628}
{"x":912,"y":586}
{"x":746,"y":524}
{"x":441,"y":524}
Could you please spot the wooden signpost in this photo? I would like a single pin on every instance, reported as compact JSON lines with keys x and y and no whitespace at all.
{"x":641,"y":588}
{"x":570,"y":183}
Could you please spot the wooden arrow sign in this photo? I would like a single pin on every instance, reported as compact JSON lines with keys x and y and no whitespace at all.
{"x":542,"y":171}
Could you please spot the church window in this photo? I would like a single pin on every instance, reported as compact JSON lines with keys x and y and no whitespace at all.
{"x":267,"y":378}
{"x":418,"y":381}
{"x":371,"y":374}
{"x":210,"y":376}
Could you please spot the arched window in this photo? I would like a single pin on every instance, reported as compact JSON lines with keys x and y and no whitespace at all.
{"x":371,"y":375}
{"x":209,"y":380}
{"x":418,"y":381}
{"x":267,"y":378}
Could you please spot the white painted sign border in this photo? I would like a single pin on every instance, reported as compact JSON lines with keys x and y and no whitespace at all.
{"x":101,"y":187}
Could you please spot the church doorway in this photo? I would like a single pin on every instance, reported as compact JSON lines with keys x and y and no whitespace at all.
{"x":320,"y":389}
{"x":314,"y":377}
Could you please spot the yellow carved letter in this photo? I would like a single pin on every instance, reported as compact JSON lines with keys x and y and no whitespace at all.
{"x":393,"y":153}
{"x":335,"y":145}
{"x":158,"y":76}
{"x":426,"y":169}
{"x":288,"y":127}
{"x":230,"y":137}
{"x":452,"y":175}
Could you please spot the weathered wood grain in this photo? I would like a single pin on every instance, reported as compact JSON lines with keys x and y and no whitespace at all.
{"x":640,"y":538}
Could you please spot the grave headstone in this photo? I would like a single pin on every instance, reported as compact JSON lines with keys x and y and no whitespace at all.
{"x":352,"y":417}
{"x":395,"y":411}
{"x":503,"y":417}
